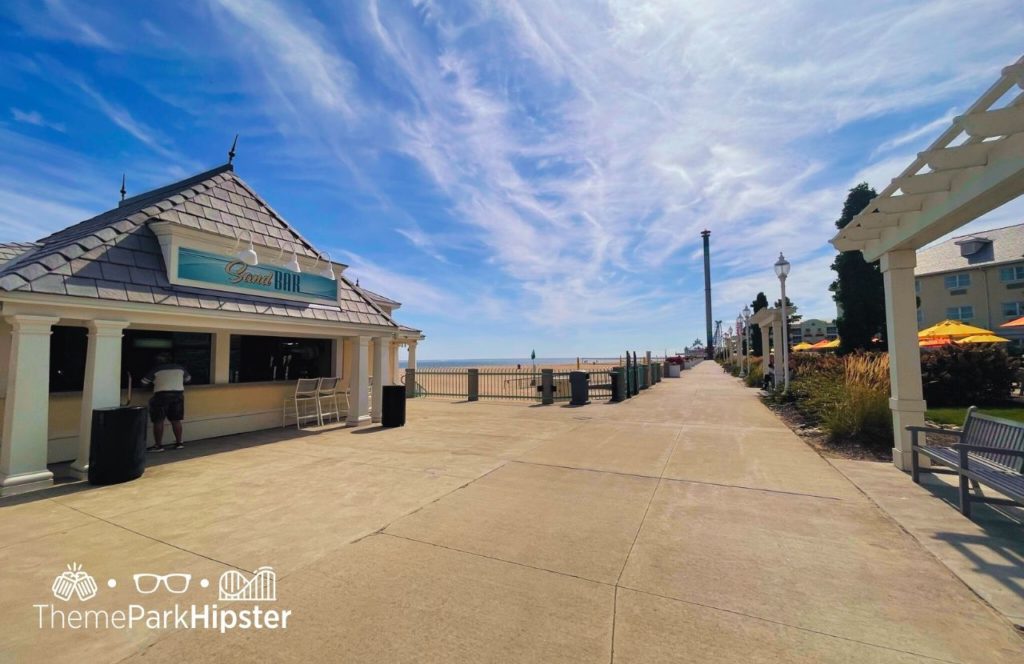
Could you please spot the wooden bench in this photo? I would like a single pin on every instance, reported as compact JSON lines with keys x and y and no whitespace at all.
{"x":990,"y":451}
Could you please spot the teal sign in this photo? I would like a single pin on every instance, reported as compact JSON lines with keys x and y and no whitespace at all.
{"x":198,"y":265}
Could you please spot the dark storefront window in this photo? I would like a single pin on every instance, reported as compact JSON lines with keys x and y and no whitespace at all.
{"x":140,"y":349}
{"x":257,"y":358}
{"x":68,"y":347}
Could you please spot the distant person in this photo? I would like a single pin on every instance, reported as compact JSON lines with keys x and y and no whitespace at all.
{"x":168,"y":401}
{"x":769,"y":376}
{"x":519,"y":367}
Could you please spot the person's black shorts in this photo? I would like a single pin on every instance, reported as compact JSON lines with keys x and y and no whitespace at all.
{"x":167,"y":406}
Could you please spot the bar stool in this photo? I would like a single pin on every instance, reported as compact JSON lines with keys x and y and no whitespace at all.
{"x":306,"y":396}
{"x":327,"y":399}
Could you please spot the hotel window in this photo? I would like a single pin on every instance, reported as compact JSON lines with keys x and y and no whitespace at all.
{"x":954,"y":281}
{"x":920,"y":317}
{"x":68,"y":348}
{"x":960,"y":313}
{"x":1013,"y":309}
{"x":141,"y":351}
{"x":1012,"y":273}
{"x":917,"y":286}
{"x":258,"y":358}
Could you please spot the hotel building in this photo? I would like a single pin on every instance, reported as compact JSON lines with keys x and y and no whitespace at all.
{"x":976,"y":278}
{"x":204,"y":269}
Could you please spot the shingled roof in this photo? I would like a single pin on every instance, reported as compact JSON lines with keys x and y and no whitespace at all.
{"x":999,"y":245}
{"x":116,"y":256}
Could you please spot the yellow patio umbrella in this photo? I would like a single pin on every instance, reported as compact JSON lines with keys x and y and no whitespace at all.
{"x":832,"y":344}
{"x":1016,"y":322}
{"x":984,"y":339}
{"x":803,"y":345}
{"x":952,"y":329}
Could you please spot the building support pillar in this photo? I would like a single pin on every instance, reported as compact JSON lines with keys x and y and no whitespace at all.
{"x":380,"y":376}
{"x":102,"y":385}
{"x":393,"y":359}
{"x":359,"y":383}
{"x":780,"y":376}
{"x":766,"y":348}
{"x":221,"y":358}
{"x":411,"y":364}
{"x":25,"y":436}
{"x":907,"y":396}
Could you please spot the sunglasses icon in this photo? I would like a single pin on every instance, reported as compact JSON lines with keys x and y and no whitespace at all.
{"x":147,"y":584}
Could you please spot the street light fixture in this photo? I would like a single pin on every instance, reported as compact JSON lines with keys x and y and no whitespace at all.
{"x":782,"y":271}
{"x":746,"y":333}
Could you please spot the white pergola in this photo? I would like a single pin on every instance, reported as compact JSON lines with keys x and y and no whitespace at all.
{"x":974,"y":167}
{"x":769,"y":320}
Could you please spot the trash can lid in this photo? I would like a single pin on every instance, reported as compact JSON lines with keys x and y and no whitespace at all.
{"x":110,"y":409}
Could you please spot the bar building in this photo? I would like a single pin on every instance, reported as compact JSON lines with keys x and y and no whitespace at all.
{"x":205,"y":269}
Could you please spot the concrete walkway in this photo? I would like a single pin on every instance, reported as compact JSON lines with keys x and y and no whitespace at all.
{"x":686,"y":525}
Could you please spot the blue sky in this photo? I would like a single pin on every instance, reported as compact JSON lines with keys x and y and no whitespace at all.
{"x":520,"y":174}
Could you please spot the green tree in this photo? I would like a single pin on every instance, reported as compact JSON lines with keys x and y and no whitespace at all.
{"x":791,"y":309}
{"x":760,"y":302}
{"x":858,"y":290}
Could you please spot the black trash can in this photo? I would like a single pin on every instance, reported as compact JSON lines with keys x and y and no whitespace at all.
{"x":393,"y":406}
{"x":579,"y":386}
{"x":117,"y":450}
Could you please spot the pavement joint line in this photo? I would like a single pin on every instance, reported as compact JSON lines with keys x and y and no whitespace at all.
{"x":62,"y":530}
{"x":741,"y":614}
{"x":650,"y":501}
{"x":615,"y":609}
{"x":754,"y":488}
{"x":495,"y":559}
{"x":380,"y":531}
{"x":676,"y":479}
{"x":160,"y":541}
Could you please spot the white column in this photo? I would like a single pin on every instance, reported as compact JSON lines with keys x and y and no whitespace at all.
{"x":23,"y":446}
{"x":102,"y":385}
{"x":393,"y":358}
{"x":380,"y":375}
{"x":907,"y":398}
{"x":359,"y":380}
{"x":338,"y":358}
{"x":766,"y":348}
{"x":777,"y":334}
{"x":411,"y":364}
{"x":221,"y":358}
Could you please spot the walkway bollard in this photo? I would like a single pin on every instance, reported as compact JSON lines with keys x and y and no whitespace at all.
{"x":618,"y":380}
{"x":547,"y":386}
{"x":473,"y":380}
{"x":578,"y":383}
{"x":410,"y":383}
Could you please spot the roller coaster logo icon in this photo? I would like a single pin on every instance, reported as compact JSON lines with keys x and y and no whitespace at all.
{"x":262,"y":587}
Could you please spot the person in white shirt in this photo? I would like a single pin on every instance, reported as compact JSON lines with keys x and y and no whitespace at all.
{"x":168,"y":402}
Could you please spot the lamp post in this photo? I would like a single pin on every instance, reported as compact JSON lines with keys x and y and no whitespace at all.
{"x":739,"y":344}
{"x":782,"y":271}
{"x":746,"y":334}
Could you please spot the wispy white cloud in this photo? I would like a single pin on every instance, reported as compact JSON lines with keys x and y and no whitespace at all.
{"x":35,"y":118}
{"x":121,"y":117}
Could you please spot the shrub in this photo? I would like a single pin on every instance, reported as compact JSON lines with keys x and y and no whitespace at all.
{"x":967,"y":375}
{"x":755,"y":378}
{"x":847,"y":396}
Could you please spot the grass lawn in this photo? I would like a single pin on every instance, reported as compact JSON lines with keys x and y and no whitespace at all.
{"x":957,"y":415}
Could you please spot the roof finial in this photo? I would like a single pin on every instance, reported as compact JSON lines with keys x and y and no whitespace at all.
{"x":357,"y":282}
{"x":231,"y":152}
{"x":123,"y":189}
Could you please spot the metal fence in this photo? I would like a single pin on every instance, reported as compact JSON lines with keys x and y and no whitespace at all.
{"x":502,"y":384}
